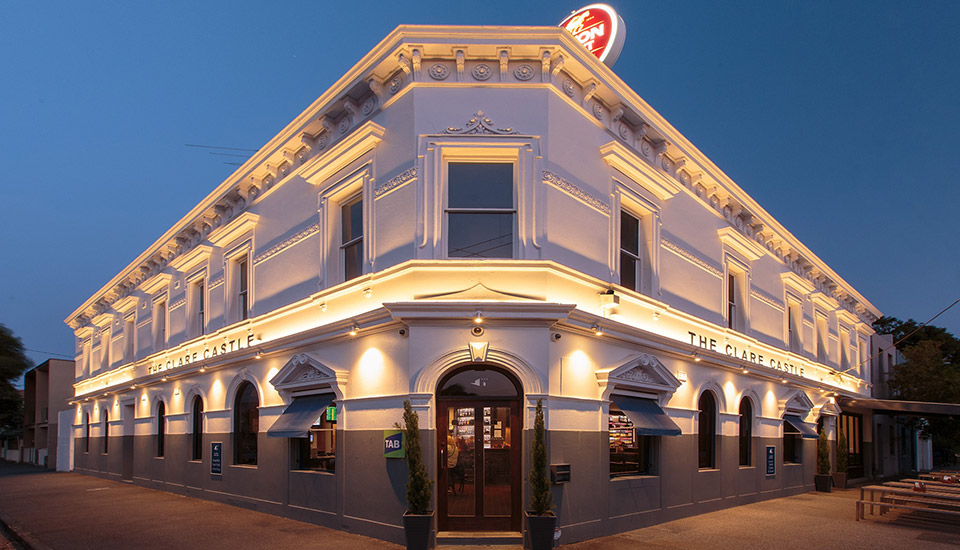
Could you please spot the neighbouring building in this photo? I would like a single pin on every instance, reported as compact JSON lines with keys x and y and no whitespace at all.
{"x":47,"y":390}
{"x":472,"y":219}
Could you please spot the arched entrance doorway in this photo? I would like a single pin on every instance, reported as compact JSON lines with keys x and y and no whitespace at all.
{"x":479,"y":437}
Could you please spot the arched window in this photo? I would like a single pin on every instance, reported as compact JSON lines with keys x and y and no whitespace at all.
{"x":246,"y":424}
{"x":707,"y":441}
{"x":746,"y":432}
{"x":86,"y":432}
{"x":161,"y":426}
{"x":105,"y":417}
{"x":197,"y":428}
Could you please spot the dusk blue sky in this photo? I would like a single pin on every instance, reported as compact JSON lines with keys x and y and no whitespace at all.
{"x":842,"y":119}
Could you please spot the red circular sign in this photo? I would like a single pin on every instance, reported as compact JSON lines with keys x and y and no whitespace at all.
{"x":599,"y":29}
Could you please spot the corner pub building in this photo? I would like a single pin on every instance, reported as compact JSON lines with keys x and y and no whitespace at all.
{"x":472,"y":219}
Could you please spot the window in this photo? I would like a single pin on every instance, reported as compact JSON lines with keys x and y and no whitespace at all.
{"x":630,"y":264}
{"x":86,"y":432}
{"x":105,"y":349}
{"x":844,"y":349}
{"x":480,"y":210}
{"x":862,"y":368}
{"x":318,"y":451}
{"x":821,"y":339}
{"x":351,"y":237}
{"x":736,"y":292}
{"x":105,"y":419}
{"x":746,"y":432}
{"x":197,"y":435}
{"x":792,"y":444}
{"x":161,"y":427}
{"x":246,"y":424}
{"x":630,"y":453}
{"x":159,"y":324}
{"x":794,"y":323}
{"x":197,"y":299}
{"x":242,"y":282}
{"x":707,"y":437}
{"x":129,"y":339}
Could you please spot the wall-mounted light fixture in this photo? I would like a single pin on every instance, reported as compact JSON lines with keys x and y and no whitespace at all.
{"x":609,"y":300}
{"x":259,"y":354}
{"x":745,"y":371}
{"x":478,"y":317}
{"x":203,"y":369}
{"x":367,"y":293}
{"x":354,"y":330}
{"x":323,"y":307}
{"x":597,"y":330}
{"x":696,"y":357}
{"x":164,"y":379}
{"x":681,"y":376}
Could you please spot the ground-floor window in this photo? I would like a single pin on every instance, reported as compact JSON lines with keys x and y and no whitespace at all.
{"x":792,"y":445}
{"x":630,"y":453}
{"x":317,"y":451}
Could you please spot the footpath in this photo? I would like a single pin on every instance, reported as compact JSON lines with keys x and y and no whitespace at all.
{"x":65,"y":511}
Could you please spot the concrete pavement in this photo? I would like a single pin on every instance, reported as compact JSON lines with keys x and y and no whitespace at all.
{"x":70,"y":511}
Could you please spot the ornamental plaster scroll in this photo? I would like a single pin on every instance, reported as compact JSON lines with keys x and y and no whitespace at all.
{"x":287,"y":243}
{"x":765,"y":298}
{"x":642,"y":372}
{"x":690,"y":257}
{"x":576,"y":192}
{"x":480,"y":124}
{"x":395,"y":182}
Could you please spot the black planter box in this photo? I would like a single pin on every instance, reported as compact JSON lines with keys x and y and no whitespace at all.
{"x":417,"y":529}
{"x":540,"y":531}
{"x":823,"y":482}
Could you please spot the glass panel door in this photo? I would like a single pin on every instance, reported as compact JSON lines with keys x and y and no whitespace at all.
{"x":479,"y":472}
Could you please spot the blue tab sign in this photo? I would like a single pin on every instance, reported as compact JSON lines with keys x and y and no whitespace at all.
{"x":216,"y":458}
{"x":393,"y":444}
{"x":771,"y":460}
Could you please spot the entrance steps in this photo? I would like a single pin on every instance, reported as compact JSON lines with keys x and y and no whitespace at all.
{"x":480,"y":539}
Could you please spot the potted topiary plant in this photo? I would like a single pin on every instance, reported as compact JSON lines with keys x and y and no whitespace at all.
{"x":418,"y":519}
{"x":843,"y":461}
{"x":541,"y":520}
{"x":822,"y":480}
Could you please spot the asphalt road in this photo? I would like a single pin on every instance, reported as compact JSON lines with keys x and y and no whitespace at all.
{"x":66,"y":511}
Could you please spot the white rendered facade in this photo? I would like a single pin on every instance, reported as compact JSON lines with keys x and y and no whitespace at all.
{"x":254,"y":284}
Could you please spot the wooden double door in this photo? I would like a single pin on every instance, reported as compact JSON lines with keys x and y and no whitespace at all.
{"x":479,"y":486}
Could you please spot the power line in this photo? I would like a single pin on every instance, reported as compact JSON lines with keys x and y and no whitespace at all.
{"x":895,"y":344}
{"x":49,"y":353}
{"x":218,"y":147}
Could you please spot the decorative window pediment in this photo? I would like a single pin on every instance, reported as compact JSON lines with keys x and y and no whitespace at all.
{"x":798,"y":404}
{"x":304,"y":373}
{"x":643,"y":373}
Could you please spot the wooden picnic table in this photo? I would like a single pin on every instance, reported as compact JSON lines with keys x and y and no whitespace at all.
{"x":931,"y":486}
{"x":906,"y":498}
{"x":938,"y":475}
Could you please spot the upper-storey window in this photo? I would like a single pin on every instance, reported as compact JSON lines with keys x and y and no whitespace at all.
{"x":735,"y":300}
{"x":238,"y":290}
{"x":821,"y":329}
{"x":243,"y":276}
{"x":159,"y":323}
{"x":844,"y":349}
{"x":197,"y":307}
{"x":351,"y":237}
{"x":481,"y":215}
{"x":793,"y":326}
{"x":631,"y":267}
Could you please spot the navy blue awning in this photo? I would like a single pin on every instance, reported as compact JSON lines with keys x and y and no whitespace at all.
{"x":302,"y":413}
{"x":647,"y":417}
{"x":806,"y":431}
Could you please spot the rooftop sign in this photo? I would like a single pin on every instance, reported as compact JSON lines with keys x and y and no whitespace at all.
{"x":599,"y":29}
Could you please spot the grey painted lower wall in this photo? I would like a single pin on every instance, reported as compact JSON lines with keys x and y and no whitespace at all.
{"x":367,"y":493}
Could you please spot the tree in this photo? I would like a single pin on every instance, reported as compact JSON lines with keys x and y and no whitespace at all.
{"x":930,"y":371}
{"x":540,"y":497}
{"x":13,"y":362}
{"x":419,"y":485}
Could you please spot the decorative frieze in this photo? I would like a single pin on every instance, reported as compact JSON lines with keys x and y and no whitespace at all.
{"x":576,"y":192}
{"x":480,"y":124}
{"x":762,"y":296}
{"x":395,"y":182}
{"x":287,"y":243}
{"x":692,"y":258}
